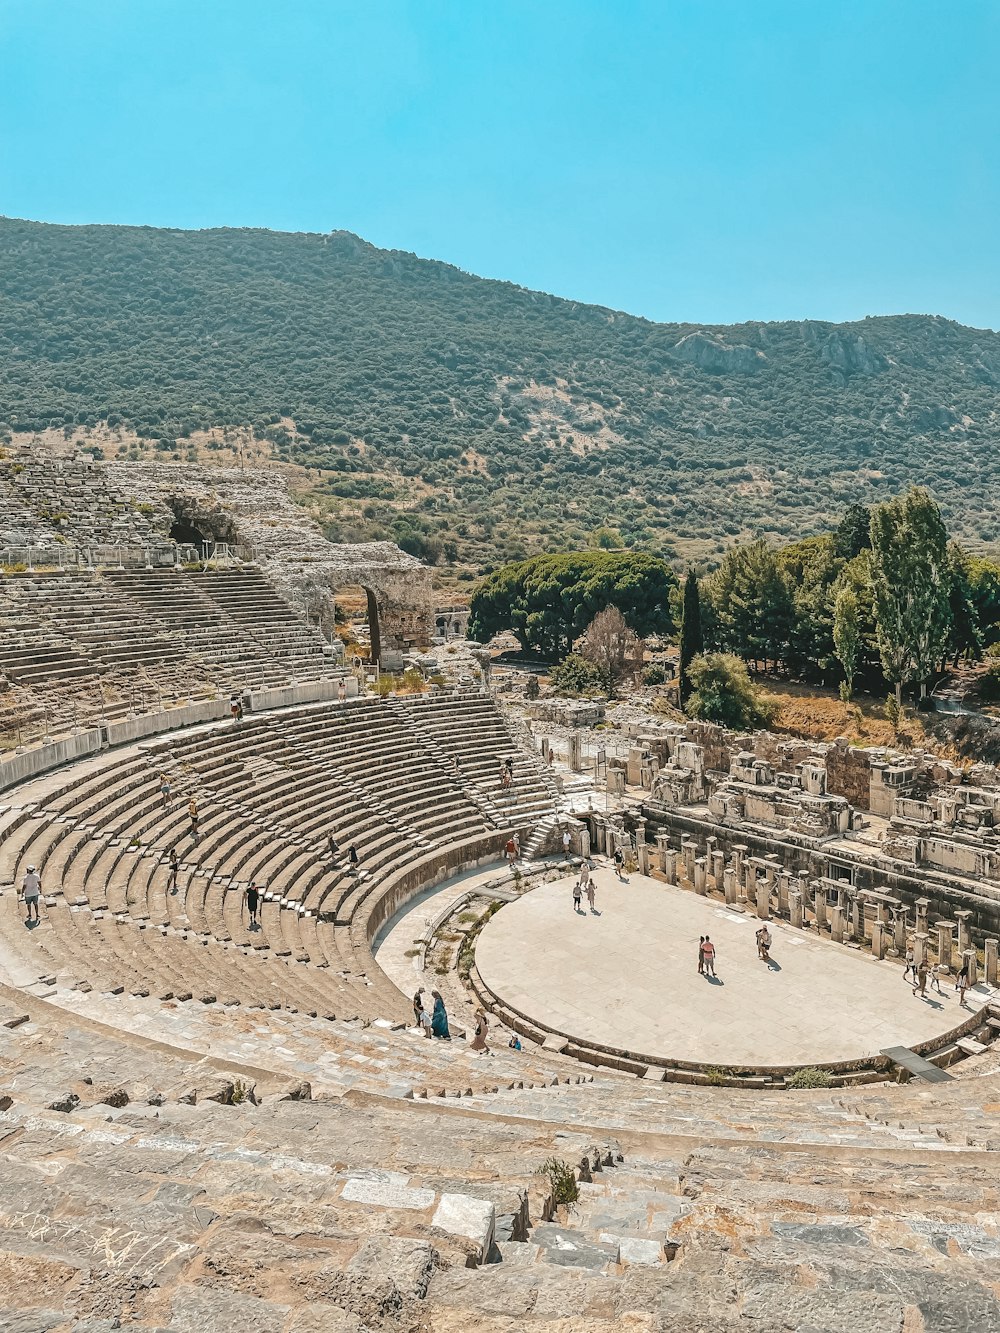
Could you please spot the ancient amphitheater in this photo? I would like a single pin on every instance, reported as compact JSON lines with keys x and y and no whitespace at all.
{"x":209,"y":1125}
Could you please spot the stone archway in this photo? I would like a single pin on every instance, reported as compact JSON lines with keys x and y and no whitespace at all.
{"x":347,"y":597}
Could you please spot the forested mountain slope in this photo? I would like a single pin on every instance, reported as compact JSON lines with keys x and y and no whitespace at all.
{"x":463,"y":413}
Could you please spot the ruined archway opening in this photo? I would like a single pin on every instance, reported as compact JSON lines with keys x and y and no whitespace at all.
{"x":197,"y":525}
{"x":356,"y":618}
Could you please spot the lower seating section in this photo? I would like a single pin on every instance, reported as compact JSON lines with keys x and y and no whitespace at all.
{"x":149,"y":1187}
{"x":76,"y":643}
{"x":282,"y":800}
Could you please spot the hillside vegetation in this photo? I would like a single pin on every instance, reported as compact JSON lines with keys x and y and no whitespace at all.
{"x":476,"y":421}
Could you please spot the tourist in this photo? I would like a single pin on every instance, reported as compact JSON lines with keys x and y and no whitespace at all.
{"x":708,"y":953}
{"x":566,"y":841}
{"x":764,"y":943}
{"x":937,"y":972}
{"x":921,"y":974}
{"x":510,"y":849}
{"x":439,"y":1019}
{"x":426,"y":1021}
{"x":252,"y":897}
{"x":962,"y":980}
{"x":701,"y":954}
{"x":509,"y":763}
{"x":576,"y":895}
{"x":504,"y":777}
{"x":334,"y":846}
{"x":619,"y":860}
{"x":909,"y":964}
{"x":418,"y":1009}
{"x":353,"y":859}
{"x":515,"y":1042}
{"x":31,"y":891}
{"x":174,"y":867}
{"x":164,"y":789}
{"x":479,"y":1042}
{"x":591,"y":890}
{"x":236,"y":708}
{"x":584,"y":873}
{"x":341,"y":689}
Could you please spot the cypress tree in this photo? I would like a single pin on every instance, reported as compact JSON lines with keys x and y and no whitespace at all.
{"x":691,"y":641}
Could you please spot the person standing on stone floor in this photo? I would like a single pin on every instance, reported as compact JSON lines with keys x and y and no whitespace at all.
{"x":418,"y":1009}
{"x":576,"y":895}
{"x":619,"y":860}
{"x":936,"y":973}
{"x":708,"y":953}
{"x":566,"y":842}
{"x":591,"y":889}
{"x":252,"y":896}
{"x":164,"y":789}
{"x":962,"y":980}
{"x":921,"y":973}
{"x":910,"y":967}
{"x":341,"y":690}
{"x":31,"y":892}
{"x":701,"y":955}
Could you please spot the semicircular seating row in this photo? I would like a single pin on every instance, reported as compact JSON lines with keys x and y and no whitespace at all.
{"x":398,"y":782}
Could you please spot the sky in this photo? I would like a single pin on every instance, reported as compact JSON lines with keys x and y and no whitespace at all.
{"x":700,"y":160}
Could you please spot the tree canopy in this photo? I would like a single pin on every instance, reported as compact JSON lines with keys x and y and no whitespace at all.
{"x":549,"y":601}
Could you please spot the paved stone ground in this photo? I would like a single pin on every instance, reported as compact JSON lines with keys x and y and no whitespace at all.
{"x":628,"y":978}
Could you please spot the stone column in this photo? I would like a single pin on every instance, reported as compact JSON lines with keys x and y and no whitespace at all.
{"x":585,"y":842}
{"x":795,"y":908}
{"x":973,"y":961}
{"x":922,"y":906}
{"x":642,"y":856}
{"x":944,"y":935}
{"x":670,"y":865}
{"x":899,"y":931}
{"x":575,"y":751}
{"x":920,"y":947}
{"x":739,"y":855}
{"x":763,"y":899}
{"x":729,"y":886}
{"x":964,"y":934}
{"x":662,"y":847}
{"x":718,"y":867}
{"x":711,"y":843}
{"x":601,"y":835}
{"x":819,"y":904}
{"x":991,"y":961}
{"x":837,"y":925}
{"x":784,"y":883}
{"x":688,"y":850}
{"x":878,"y":940}
{"x":700,"y":876}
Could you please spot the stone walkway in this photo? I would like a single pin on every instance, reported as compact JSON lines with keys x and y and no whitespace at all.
{"x":627,"y":978}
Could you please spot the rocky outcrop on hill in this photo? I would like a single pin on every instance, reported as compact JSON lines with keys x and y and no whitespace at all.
{"x":718,"y":358}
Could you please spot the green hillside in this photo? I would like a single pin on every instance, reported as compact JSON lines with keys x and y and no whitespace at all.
{"x":478,"y":420}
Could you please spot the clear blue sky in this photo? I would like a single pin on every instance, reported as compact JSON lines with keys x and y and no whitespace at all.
{"x":705,"y":160}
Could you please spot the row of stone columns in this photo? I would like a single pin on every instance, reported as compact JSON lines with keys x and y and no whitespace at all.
{"x":754,"y":883}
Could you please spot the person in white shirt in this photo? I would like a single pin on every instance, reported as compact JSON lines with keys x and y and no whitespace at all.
{"x":31,"y":891}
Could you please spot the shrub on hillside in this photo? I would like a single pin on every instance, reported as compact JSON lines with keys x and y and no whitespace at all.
{"x":575,"y":676}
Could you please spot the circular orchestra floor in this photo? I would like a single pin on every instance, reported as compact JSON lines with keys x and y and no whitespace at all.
{"x":627,"y":978}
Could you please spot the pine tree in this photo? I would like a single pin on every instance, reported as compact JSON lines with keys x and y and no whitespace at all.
{"x":691,"y":640}
{"x":847,"y":634}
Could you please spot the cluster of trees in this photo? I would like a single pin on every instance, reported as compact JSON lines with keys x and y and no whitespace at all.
{"x":549,"y":601}
{"x":442,"y":407}
{"x":886,"y":597}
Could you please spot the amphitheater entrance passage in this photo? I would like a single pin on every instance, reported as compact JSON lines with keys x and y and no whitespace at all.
{"x":195,"y":525}
{"x":356,"y":616}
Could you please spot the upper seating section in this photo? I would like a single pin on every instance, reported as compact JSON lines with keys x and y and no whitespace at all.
{"x":166,"y":633}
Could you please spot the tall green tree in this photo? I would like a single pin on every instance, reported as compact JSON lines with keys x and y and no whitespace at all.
{"x":853,"y":532}
{"x":691,"y":641}
{"x":847,"y":634}
{"x":752,"y":604}
{"x":911,"y":582}
{"x":963,"y":631}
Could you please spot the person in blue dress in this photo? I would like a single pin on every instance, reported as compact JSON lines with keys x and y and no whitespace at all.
{"x":439,"y":1019}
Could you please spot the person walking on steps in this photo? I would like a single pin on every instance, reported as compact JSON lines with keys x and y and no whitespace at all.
{"x":164,"y":789}
{"x":174,"y":868}
{"x":418,"y":1009}
{"x":31,"y":892}
{"x":708,"y":954}
{"x":439,"y":1018}
{"x":479,"y":1042}
{"x":252,"y":896}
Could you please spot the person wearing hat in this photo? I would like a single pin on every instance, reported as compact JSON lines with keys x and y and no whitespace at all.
{"x":31,"y":891}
